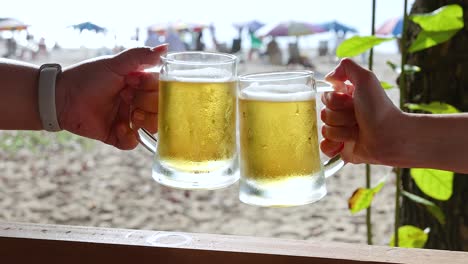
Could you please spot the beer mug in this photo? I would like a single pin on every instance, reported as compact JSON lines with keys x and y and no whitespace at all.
{"x":195,"y":147}
{"x":280,"y":162}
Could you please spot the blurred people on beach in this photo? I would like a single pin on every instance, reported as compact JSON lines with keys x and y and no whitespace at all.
{"x":174,"y":41}
{"x":154,"y":39}
{"x":11,"y":47}
{"x":199,"y":44}
{"x":296,"y":59}
{"x":256,"y":45}
{"x":273,"y":52}
{"x":237,"y":41}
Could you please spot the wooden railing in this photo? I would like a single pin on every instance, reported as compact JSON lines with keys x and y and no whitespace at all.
{"x":36,"y":243}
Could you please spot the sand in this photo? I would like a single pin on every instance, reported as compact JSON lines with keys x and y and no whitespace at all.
{"x":93,"y":184}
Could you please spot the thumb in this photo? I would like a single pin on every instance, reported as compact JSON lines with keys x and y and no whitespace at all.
{"x":136,"y":59}
{"x":365,"y":82}
{"x":348,"y":70}
{"x":369,"y":97}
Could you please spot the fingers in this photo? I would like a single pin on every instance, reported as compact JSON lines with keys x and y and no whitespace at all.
{"x":338,"y":118}
{"x":146,"y":120}
{"x":340,"y":134}
{"x":146,"y":101}
{"x":340,"y":121}
{"x":338,"y":101}
{"x":143,"y":80}
{"x":347,"y":69}
{"x":142,"y":95}
{"x":136,"y":59}
{"x":331,"y":148}
{"x":142,"y":91}
{"x":126,"y":138}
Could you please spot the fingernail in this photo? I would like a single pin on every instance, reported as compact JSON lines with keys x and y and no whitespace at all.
{"x":340,"y":87}
{"x":160,"y":48}
{"x":329,"y":75}
{"x":138,"y":115}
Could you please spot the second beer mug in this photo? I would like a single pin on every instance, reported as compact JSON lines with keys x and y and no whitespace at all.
{"x":279,"y":152}
{"x":196,"y":145}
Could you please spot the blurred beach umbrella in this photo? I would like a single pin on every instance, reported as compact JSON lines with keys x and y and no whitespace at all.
{"x":337,"y":27}
{"x":159,"y":28}
{"x":291,"y":28}
{"x":186,"y":26}
{"x":251,"y":26}
{"x":393,"y":26}
{"x":11,"y":24}
{"x":90,"y":27}
{"x":179,"y":26}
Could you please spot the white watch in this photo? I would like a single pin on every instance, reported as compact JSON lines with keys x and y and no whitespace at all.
{"x":46,"y":96}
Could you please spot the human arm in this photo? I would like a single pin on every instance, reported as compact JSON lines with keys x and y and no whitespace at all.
{"x":93,"y":98}
{"x":18,"y":96}
{"x":364,"y":126}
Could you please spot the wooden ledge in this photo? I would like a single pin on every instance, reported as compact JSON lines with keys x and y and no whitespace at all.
{"x":36,"y":243}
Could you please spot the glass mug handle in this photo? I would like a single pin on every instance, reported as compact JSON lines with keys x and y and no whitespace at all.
{"x":145,"y":138}
{"x":334,"y":164}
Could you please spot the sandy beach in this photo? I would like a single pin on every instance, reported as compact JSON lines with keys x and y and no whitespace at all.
{"x":63,"y":180}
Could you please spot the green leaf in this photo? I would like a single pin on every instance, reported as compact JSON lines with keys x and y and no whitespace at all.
{"x":410,"y":237}
{"x":379,"y":186}
{"x":427,"y":39}
{"x":437,"y":184}
{"x":386,"y":85}
{"x":430,"y":206}
{"x":362,"y":197}
{"x":434,"y":108}
{"x":437,"y":27}
{"x":446,"y":18}
{"x":357,"y":45}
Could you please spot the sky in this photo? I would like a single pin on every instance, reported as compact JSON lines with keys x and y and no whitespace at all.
{"x":50,"y":18}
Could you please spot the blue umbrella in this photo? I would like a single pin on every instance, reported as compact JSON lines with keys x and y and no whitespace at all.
{"x":89,"y":26}
{"x":254,"y":25}
{"x":337,"y":27}
{"x":291,"y":28}
{"x":251,"y":26}
{"x":398,"y":27}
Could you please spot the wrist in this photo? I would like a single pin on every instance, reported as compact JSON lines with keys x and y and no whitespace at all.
{"x":409,"y":142}
{"x":396,"y":146}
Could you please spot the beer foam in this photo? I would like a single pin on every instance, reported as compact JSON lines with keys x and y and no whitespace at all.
{"x":200,"y":75}
{"x":277,"y":93}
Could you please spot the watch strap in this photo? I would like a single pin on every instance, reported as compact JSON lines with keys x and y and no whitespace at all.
{"x":46,"y":96}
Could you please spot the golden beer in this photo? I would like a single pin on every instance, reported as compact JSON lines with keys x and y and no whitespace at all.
{"x":280,"y":163}
{"x":278,"y":137}
{"x":196,"y":124}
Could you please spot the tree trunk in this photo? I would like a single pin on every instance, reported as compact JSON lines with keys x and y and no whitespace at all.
{"x":444,"y":77}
